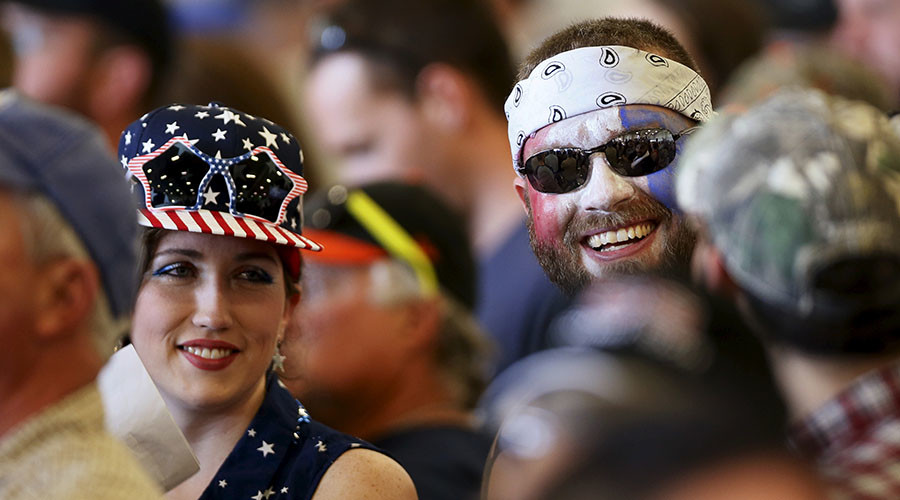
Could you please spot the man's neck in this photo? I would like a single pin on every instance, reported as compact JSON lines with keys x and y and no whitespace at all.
{"x":492,"y":207}
{"x":425,"y":401}
{"x":809,"y":381}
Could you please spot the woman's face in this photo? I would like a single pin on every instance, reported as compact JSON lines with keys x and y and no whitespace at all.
{"x":208,"y":315}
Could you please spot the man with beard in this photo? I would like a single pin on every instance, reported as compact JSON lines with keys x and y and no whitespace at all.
{"x":595,"y":126}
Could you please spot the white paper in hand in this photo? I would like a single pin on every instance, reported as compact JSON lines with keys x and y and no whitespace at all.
{"x":136,"y":414}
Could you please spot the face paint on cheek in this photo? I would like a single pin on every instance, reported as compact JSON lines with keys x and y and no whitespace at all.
{"x":662,"y":187}
{"x":662,"y":183}
{"x":548,"y":218}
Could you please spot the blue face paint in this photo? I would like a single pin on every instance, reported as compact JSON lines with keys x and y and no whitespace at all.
{"x":662,"y":183}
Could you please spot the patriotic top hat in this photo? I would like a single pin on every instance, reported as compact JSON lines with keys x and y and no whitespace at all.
{"x":213,"y":169}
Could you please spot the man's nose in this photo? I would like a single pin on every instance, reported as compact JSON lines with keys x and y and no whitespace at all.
{"x":604,"y":188}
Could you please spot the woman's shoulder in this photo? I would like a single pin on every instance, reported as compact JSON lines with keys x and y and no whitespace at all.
{"x":365,"y":473}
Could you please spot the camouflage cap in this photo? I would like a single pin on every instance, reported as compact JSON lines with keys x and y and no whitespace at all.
{"x":796,"y":184}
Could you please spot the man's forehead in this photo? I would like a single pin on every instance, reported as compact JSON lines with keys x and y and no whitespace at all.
{"x":591,"y":129}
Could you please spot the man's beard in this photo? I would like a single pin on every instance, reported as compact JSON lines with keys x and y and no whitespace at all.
{"x":562,"y":260}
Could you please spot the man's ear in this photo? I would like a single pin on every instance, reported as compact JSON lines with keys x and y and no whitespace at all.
{"x":423,"y":317}
{"x":445,"y":96}
{"x":121,"y":77}
{"x":519,"y":184}
{"x":67,"y":292}
{"x":709,"y":262}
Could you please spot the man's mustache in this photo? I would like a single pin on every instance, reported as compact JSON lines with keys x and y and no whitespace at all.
{"x":638,"y":209}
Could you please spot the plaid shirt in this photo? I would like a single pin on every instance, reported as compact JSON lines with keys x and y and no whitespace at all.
{"x":855,"y":438}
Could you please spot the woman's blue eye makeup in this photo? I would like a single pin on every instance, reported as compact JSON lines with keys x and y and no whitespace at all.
{"x":177,"y":269}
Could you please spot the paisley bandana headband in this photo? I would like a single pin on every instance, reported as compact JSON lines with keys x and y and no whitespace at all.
{"x":590,"y":78}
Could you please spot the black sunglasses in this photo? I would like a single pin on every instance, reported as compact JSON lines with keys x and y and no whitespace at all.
{"x":632,"y":154}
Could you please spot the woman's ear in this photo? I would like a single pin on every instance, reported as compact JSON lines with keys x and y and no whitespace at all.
{"x":290,"y":305}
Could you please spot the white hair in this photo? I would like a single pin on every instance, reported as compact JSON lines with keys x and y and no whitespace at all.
{"x":48,"y":236}
{"x":463,"y":349}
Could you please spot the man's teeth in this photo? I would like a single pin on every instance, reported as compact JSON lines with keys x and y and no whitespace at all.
{"x":619,"y":236}
{"x":207,"y":353}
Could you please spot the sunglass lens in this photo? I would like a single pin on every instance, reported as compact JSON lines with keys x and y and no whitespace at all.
{"x":640,"y":153}
{"x":556,"y":171}
{"x":261,"y":187}
{"x":174,"y":177}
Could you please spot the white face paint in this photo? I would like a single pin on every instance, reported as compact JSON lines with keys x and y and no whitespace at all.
{"x":611,"y":223}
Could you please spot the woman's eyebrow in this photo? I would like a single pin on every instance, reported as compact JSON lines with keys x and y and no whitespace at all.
{"x":187,"y":252}
{"x":255,"y":255}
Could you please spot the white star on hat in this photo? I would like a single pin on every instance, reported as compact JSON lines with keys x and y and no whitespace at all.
{"x":128,"y":138}
{"x":172,"y":127}
{"x":201,"y":114}
{"x":247,"y":144}
{"x":226,"y":116}
{"x":269,"y":137}
{"x":210,"y":196}
{"x":148,"y":146}
{"x":219,"y":135}
{"x":176,"y":107}
{"x":192,"y":141}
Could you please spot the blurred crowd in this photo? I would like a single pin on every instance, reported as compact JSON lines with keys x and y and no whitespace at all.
{"x":450,"y":249}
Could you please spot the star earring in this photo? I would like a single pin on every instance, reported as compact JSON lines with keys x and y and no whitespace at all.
{"x":278,"y":359}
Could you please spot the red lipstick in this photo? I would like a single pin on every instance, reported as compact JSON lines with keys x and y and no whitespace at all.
{"x":197,"y":352}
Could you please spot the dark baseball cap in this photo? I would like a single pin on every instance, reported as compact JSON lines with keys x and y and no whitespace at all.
{"x":436,"y":229}
{"x":65,"y":159}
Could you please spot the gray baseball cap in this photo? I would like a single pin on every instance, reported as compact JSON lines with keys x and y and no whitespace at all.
{"x":65,"y":159}
{"x":791,"y":188}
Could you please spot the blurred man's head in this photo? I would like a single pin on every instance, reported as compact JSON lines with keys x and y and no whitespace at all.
{"x":67,"y":254}
{"x":101,"y":58}
{"x":394,"y":85}
{"x":387,"y":305}
{"x":627,"y":91}
{"x":867,"y":31}
{"x":808,"y":231}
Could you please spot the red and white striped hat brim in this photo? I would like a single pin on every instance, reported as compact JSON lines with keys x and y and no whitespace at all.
{"x":214,"y":222}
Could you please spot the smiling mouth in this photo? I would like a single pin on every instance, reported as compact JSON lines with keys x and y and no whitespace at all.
{"x":616,"y":239}
{"x":207,"y":353}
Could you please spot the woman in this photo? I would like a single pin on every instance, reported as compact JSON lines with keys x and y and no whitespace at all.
{"x":221,"y":193}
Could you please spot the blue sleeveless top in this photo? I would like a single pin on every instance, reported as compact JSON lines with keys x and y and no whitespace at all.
{"x":282,"y":455}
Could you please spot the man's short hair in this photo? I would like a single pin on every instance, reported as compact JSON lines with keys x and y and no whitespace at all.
{"x":399,"y":38}
{"x":48,"y":236}
{"x":629,"y":32}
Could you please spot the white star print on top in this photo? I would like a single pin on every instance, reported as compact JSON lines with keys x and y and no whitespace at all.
{"x":266,"y":449}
